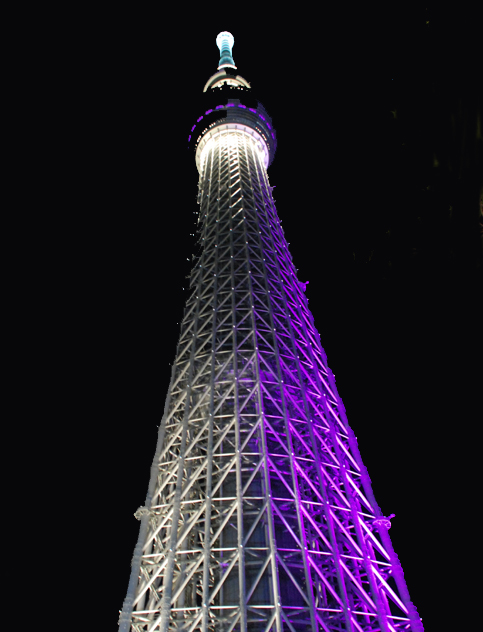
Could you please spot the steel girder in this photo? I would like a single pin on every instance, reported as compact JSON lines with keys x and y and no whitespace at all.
{"x":260,"y":514}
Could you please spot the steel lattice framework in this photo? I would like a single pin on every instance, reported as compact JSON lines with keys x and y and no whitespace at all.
{"x":259,"y":515}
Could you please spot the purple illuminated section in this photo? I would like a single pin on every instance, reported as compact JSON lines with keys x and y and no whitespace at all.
{"x":315,"y":441}
{"x":230,"y":105}
{"x":329,"y":427}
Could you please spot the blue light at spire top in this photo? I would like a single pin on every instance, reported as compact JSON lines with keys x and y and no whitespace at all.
{"x":225,"y":41}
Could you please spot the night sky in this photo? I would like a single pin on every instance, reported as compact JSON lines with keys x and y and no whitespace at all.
{"x":364,"y":106}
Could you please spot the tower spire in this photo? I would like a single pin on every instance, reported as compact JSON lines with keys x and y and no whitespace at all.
{"x":225,"y":41}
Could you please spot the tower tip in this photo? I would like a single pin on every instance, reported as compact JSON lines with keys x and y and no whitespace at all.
{"x":225,"y":41}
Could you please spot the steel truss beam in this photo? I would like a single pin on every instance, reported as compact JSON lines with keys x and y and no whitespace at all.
{"x":260,"y":514}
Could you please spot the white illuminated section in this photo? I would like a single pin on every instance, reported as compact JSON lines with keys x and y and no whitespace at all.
{"x":223,"y":37}
{"x":231,"y":133}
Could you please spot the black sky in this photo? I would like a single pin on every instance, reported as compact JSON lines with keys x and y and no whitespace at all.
{"x":394,"y":277}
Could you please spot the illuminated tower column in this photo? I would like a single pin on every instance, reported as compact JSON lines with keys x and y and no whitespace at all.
{"x":259,"y":515}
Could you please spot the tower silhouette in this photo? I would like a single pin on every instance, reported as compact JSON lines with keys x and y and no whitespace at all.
{"x":259,"y":515}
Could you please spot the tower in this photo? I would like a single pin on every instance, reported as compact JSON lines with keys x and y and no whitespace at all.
{"x":259,"y":515}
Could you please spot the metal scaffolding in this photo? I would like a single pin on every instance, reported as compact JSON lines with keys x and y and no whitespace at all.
{"x":260,"y":515}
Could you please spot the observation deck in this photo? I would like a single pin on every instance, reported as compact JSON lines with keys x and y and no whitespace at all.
{"x":228,"y":100}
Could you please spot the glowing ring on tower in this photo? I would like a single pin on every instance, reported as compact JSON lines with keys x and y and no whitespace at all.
{"x":212,"y":132}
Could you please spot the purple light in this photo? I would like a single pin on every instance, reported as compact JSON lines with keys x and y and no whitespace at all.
{"x":240,"y":105}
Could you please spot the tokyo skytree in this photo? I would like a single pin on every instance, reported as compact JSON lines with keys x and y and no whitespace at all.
{"x":259,"y":515}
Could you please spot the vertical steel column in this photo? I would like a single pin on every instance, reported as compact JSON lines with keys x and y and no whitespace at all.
{"x":302,"y":531}
{"x":207,"y":539}
{"x":227,"y":137}
{"x":250,"y":150}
